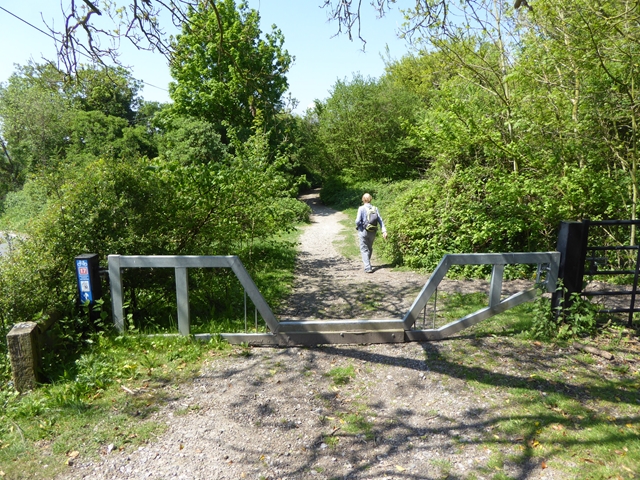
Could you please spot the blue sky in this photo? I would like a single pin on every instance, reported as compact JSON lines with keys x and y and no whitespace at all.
{"x":320,"y":57}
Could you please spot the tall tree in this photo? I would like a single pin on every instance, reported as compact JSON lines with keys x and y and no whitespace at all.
{"x":224,"y":71}
{"x":46,"y":114}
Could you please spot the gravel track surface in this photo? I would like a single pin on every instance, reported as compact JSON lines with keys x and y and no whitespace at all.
{"x":399,"y":411}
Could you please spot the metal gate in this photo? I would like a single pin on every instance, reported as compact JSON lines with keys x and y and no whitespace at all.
{"x":581,"y":258}
{"x":314,"y":332}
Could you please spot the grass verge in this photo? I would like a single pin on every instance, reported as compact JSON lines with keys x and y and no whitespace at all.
{"x":104,"y":402}
{"x":555,"y":406}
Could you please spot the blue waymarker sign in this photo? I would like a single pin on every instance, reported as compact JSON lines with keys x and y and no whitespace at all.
{"x":84,"y":281}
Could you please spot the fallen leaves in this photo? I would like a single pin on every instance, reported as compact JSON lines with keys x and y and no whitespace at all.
{"x":72,"y":456}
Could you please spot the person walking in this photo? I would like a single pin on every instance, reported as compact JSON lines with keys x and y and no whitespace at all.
{"x":368,"y":220}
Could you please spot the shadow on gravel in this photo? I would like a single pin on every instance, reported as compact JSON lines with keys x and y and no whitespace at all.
{"x":348,"y":299}
{"x":450,"y":435}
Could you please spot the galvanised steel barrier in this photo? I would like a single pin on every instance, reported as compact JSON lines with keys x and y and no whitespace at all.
{"x":348,"y":331}
{"x":180,"y":263}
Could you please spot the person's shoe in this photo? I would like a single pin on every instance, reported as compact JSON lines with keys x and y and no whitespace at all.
{"x":369,"y":271}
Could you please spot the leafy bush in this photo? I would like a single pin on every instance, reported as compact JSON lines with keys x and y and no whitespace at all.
{"x":344,"y":192}
{"x":23,"y":205}
{"x":212,"y":203}
{"x":577,"y":318}
{"x":478,"y":209}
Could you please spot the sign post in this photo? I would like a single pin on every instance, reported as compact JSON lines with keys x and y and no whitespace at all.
{"x":88,"y":276}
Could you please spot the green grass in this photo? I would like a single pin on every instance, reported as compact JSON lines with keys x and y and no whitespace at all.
{"x":342,"y":375}
{"x":560,"y":409}
{"x":357,"y":424}
{"x":104,"y":400}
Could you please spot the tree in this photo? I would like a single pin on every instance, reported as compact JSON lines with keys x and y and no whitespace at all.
{"x":363,"y":125}
{"x":47,"y":115}
{"x":33,"y":120}
{"x":112,"y":91}
{"x":224,"y":72}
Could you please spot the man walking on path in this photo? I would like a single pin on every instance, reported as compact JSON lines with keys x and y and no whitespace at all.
{"x":367,"y":222}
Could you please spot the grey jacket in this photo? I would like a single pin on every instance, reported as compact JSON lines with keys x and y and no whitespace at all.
{"x":361,"y":219}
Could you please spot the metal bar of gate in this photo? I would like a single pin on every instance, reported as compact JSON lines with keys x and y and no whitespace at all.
{"x":499,"y":260}
{"x":614,"y":222}
{"x":635,"y":272}
{"x":181,"y":263}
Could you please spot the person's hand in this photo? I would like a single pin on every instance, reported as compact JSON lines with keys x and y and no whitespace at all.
{"x":384,"y":235}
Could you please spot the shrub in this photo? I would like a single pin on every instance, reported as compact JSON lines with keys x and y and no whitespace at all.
{"x":577,"y":318}
{"x":479,"y":209}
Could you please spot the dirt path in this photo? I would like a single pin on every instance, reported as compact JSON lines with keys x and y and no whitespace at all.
{"x":331,"y":286}
{"x":403,"y":412}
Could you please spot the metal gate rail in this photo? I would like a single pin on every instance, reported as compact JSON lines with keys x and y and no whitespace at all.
{"x":180,"y":263}
{"x":314,"y":332}
{"x":548,"y":263}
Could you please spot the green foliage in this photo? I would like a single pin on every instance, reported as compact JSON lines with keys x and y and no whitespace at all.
{"x":480,"y":209}
{"x":342,"y":375}
{"x":225,"y":72}
{"x":110,"y":91}
{"x":22,"y":206}
{"x":33,"y":123}
{"x":509,"y":137}
{"x":46,"y":115}
{"x":362,"y":128}
{"x":574,"y":317}
{"x":195,"y":200}
{"x":346,"y":192}
{"x":92,"y":168}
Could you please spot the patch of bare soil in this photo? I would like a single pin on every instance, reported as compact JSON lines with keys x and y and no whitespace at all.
{"x":394,"y":411}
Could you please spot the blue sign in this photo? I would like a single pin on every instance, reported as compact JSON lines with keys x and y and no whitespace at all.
{"x":84,"y":281}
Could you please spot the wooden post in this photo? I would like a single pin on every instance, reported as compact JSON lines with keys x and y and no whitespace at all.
{"x":22,"y":343}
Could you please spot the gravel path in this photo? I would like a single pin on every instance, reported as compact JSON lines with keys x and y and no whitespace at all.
{"x":288,"y":414}
{"x":331,"y":286}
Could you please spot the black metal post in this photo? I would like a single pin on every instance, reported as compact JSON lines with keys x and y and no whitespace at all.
{"x":572,"y":245}
{"x":635,"y":287}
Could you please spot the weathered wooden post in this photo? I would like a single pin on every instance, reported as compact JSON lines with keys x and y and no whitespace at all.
{"x":22,"y":343}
